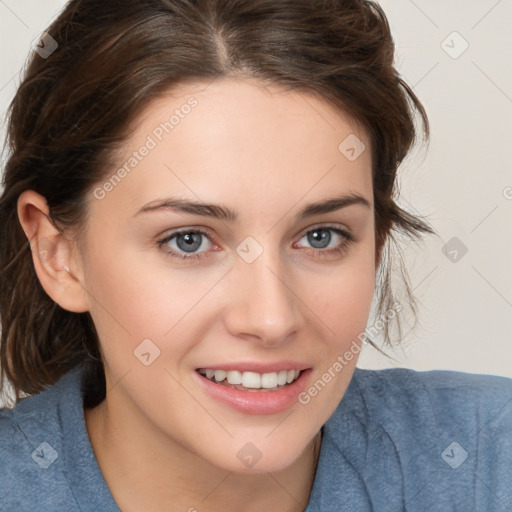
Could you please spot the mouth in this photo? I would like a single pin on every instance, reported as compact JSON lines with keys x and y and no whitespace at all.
{"x":252,"y":392}
{"x":251,"y":381}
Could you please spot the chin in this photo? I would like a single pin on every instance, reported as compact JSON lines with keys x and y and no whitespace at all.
{"x":258,"y":457}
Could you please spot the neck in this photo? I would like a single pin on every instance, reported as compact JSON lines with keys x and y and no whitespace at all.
{"x":142,"y":467}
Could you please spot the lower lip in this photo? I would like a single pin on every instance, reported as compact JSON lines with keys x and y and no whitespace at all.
{"x":254,"y":402}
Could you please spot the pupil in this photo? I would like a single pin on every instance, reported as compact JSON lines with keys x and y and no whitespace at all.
{"x":192,"y":242}
{"x":320,"y":235}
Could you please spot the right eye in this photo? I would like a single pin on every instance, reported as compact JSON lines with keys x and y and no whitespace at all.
{"x":183,"y":244}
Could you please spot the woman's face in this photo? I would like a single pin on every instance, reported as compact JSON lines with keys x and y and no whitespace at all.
{"x":271,"y":285}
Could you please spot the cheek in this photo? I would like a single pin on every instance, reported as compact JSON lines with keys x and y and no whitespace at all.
{"x":135,"y":297}
{"x":342,"y":297}
{"x":342,"y":307}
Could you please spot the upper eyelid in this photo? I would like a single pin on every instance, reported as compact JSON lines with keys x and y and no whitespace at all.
{"x":326,"y":226}
{"x":170,"y":236}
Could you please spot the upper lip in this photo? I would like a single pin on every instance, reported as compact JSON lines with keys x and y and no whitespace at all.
{"x":257,"y":367}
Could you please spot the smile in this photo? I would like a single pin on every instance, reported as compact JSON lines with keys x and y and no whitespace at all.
{"x":247,"y":381}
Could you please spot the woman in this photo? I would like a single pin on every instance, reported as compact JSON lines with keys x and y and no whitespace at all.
{"x":206,"y":189}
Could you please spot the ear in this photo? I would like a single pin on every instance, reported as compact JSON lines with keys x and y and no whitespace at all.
{"x":56,"y":260}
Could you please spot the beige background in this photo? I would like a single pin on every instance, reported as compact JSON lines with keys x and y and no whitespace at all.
{"x":462,"y":184}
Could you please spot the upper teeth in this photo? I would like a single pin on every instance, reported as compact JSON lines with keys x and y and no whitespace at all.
{"x":253,"y":379}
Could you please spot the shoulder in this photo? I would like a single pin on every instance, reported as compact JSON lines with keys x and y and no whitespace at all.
{"x":20,"y":426}
{"x":451,"y":396}
{"x":31,"y":462}
{"x":453,"y":429}
{"x":468,"y":406}
{"x":448,"y":383}
{"x":440,"y":379}
{"x":437,"y":438}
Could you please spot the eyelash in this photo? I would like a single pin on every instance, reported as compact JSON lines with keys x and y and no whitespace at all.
{"x":348,"y":238}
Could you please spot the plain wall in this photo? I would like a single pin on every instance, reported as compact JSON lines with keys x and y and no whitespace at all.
{"x":462,"y":184}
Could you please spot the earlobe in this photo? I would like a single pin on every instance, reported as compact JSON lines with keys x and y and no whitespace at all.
{"x":52,"y":254}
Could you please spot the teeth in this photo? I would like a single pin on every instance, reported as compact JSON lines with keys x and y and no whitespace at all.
{"x":233,"y":377}
{"x":219,"y":375}
{"x":252,"y":380}
{"x":269,"y":380}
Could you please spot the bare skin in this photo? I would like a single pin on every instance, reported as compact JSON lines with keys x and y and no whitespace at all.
{"x":161,"y":440}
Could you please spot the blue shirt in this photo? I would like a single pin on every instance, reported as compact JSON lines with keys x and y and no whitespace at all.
{"x":400,"y":440}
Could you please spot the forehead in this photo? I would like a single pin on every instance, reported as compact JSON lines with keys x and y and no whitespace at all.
{"x":234,"y":139}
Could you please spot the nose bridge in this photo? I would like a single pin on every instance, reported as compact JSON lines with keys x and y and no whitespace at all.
{"x":264,"y":304}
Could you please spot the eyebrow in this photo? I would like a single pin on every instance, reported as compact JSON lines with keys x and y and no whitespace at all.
{"x":220,"y":212}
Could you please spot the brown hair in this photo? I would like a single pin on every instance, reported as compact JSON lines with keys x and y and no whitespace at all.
{"x":73,"y":109}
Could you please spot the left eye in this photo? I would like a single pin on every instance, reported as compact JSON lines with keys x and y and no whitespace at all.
{"x":320,"y":238}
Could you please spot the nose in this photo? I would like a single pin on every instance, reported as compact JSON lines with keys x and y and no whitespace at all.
{"x":264,"y":306}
